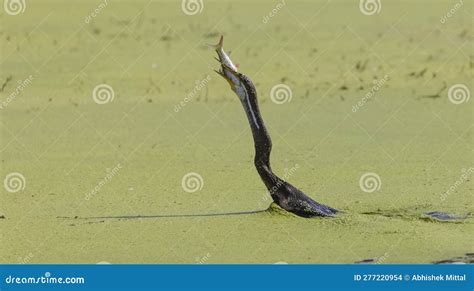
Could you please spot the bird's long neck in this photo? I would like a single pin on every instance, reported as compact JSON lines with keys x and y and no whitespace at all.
{"x":262,"y":140}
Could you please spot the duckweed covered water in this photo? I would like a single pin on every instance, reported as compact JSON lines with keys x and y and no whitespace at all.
{"x":369,"y":94}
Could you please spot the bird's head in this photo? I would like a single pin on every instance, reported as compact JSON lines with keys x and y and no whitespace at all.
{"x":235,"y":80}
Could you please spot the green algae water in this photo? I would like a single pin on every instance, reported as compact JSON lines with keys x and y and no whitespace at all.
{"x":111,"y":109}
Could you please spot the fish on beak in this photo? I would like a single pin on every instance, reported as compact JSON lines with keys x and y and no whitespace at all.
{"x":227,"y":70}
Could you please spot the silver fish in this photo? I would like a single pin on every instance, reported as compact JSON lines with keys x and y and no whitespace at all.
{"x":228,"y":70}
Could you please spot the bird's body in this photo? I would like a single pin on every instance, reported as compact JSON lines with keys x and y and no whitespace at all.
{"x":283,"y":193}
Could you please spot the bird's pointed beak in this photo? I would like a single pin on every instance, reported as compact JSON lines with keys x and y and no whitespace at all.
{"x":229,"y":75}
